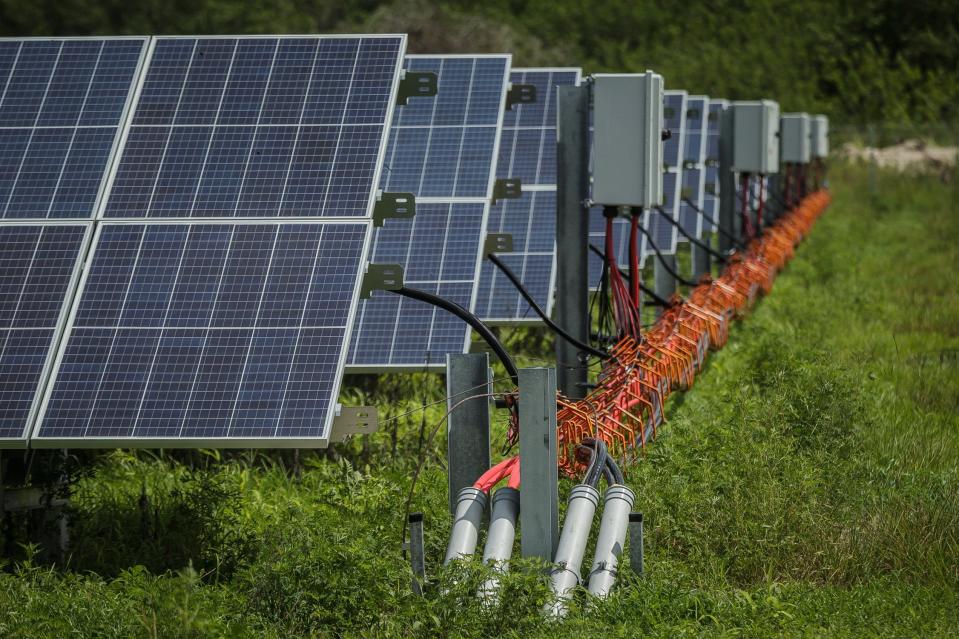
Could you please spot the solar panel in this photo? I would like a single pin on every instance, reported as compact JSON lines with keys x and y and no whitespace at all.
{"x":665,"y":235}
{"x":62,"y":105}
{"x":674,"y":119}
{"x":528,"y":152}
{"x":205,"y":333}
{"x":443,"y":150}
{"x":258,"y":126}
{"x":694,"y":181}
{"x":190,"y":331}
{"x":38,"y":268}
{"x":711,"y":186}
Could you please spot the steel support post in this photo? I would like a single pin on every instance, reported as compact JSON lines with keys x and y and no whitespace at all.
{"x":572,"y":235}
{"x":665,"y":283}
{"x":728,"y":189}
{"x":467,"y":428}
{"x":539,"y":497}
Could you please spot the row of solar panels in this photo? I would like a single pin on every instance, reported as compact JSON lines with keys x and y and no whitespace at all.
{"x":186,"y":222}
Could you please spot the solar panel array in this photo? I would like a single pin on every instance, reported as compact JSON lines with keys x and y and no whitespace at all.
{"x":694,"y":178}
{"x":63,"y":102}
{"x":443,"y":150}
{"x":527,"y":152}
{"x":665,"y":235}
{"x":188,"y":330}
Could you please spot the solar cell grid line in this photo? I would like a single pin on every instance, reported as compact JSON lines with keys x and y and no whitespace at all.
{"x":257,"y":127}
{"x":223,"y":333}
{"x":63,"y":104}
{"x":39,"y":266}
{"x":443,"y":150}
{"x":694,"y":182}
{"x":527,"y":152}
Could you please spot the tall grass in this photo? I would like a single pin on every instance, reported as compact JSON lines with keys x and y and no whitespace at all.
{"x":807,"y":485}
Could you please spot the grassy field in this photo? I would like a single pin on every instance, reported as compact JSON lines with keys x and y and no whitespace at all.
{"x":808,"y":485}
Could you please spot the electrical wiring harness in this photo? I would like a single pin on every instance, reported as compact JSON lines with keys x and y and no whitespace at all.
{"x":626,"y":406}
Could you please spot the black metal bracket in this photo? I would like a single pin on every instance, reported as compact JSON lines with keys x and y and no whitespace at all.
{"x":416,"y":84}
{"x":393,"y":206}
{"x":381,"y":277}
{"x":520,"y":94}
{"x":507,"y":189}
{"x":498,"y":243}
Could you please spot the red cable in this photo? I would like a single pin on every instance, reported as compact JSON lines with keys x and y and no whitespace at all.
{"x":634,"y":258}
{"x":747,"y":223}
{"x":759,"y":212}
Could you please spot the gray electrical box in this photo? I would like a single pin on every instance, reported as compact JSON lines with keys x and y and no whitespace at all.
{"x":756,"y":137}
{"x":627,"y":139}
{"x":819,"y":136}
{"x":794,"y":138}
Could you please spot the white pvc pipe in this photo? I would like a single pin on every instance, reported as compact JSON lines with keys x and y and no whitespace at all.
{"x":583,"y":500}
{"x":499,"y":540}
{"x":612,"y":538}
{"x":470,"y":507}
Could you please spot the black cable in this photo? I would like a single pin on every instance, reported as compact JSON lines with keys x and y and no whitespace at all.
{"x":679,"y":227}
{"x":542,"y":314}
{"x":729,"y":236}
{"x":657,"y":300}
{"x":475,"y":323}
{"x":662,"y":260}
{"x":615,"y":471}
{"x":597,"y":462}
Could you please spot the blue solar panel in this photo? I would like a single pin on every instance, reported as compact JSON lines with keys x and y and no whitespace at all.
{"x":258,"y":126}
{"x":528,"y":152}
{"x":62,"y":103}
{"x":38,"y":265}
{"x":194,"y":333}
{"x":443,"y":150}
{"x":665,"y":234}
{"x":674,"y":119}
{"x":697,"y":107}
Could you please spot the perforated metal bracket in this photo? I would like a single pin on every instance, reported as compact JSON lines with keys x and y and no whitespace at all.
{"x":498,"y":243}
{"x":520,"y":94}
{"x":416,"y":84}
{"x":507,"y":189}
{"x":393,"y":206}
{"x":381,"y":277}
{"x":688,"y":164}
{"x":353,"y":420}
{"x":711,"y":162}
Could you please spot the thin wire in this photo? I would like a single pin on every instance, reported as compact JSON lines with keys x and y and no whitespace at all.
{"x":495,"y":380}
{"x":422,"y":459}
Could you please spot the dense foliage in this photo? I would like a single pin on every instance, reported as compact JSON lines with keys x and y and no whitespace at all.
{"x":872,"y":61}
{"x":808,"y":485}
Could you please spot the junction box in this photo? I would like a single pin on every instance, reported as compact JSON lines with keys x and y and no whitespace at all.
{"x":794,"y":138}
{"x":756,"y":137}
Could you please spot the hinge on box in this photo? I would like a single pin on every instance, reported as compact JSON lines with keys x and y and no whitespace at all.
{"x":416,"y":84}
{"x":520,"y":94}
{"x":381,"y":277}
{"x":507,"y":189}
{"x":353,"y":420}
{"x":393,"y":206}
{"x":498,"y":243}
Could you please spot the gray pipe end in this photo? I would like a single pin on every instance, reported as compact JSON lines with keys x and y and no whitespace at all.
{"x":472,"y":494}
{"x":585,"y":491}
{"x":506,"y":494}
{"x":619,"y":491}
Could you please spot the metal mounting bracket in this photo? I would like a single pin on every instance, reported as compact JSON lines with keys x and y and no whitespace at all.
{"x":507,"y":189}
{"x":520,"y":94}
{"x":498,"y":243}
{"x":353,"y":420}
{"x":381,"y":277}
{"x":416,"y":84}
{"x":393,"y":206}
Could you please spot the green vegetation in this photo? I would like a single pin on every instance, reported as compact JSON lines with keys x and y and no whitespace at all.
{"x":807,"y":485}
{"x":872,"y":61}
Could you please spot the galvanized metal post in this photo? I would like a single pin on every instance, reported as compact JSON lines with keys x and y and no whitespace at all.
{"x":572,"y":234}
{"x":467,"y":428}
{"x":728,"y":220}
{"x":417,"y":552}
{"x":636,"y":558}
{"x":772,"y":209}
{"x":539,"y":498}
{"x":665,"y":283}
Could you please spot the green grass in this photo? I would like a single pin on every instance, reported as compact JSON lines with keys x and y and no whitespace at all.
{"x":808,"y":485}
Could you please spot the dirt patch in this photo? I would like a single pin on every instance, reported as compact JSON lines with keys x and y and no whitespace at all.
{"x":905,"y":157}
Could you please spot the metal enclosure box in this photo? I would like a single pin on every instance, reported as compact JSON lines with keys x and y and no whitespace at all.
{"x":794,"y":138}
{"x":627,"y":139}
{"x":819,"y":136}
{"x":756,"y":137}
